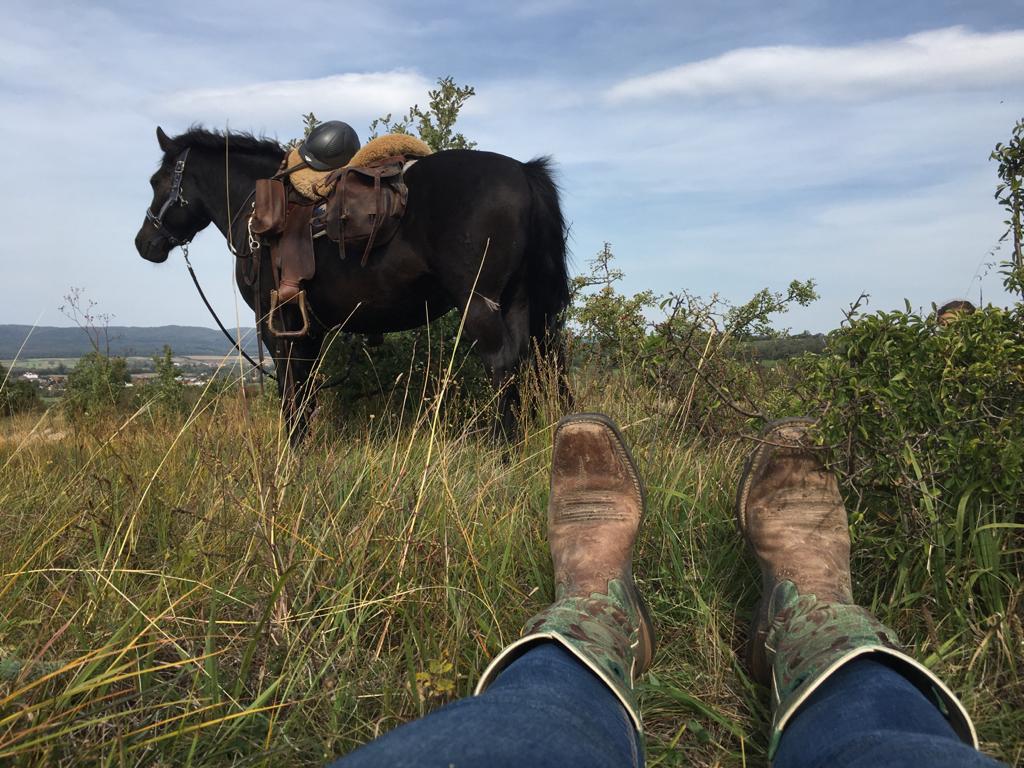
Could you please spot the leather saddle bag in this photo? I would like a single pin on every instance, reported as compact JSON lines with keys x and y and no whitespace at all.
{"x":366,"y":206}
{"x":270,"y":207}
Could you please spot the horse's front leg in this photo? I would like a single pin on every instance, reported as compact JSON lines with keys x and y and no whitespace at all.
{"x":296,"y":361}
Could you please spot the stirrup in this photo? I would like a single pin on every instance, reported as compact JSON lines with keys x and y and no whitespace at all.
{"x":275,"y":309}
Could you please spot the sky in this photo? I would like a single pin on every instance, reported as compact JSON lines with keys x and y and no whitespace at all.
{"x":720,"y":147}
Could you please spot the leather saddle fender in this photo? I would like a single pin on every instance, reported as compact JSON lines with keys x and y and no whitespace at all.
{"x":293,"y":253}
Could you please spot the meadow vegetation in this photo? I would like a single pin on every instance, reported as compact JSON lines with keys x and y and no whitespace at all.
{"x":181,"y":588}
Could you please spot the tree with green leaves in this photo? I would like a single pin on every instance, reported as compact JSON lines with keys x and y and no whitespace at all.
{"x":309,"y":122}
{"x":408,"y":358}
{"x":610,"y":327}
{"x":164,"y":392}
{"x":1010,"y":194}
{"x":436,"y":124}
{"x":95,"y":384}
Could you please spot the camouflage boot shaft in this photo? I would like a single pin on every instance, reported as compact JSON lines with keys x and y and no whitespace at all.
{"x":809,"y":640}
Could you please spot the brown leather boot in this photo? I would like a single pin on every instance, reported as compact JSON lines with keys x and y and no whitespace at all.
{"x":594,"y":512}
{"x":790,"y":512}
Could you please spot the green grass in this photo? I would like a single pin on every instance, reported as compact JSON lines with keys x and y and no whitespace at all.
{"x":39,"y":364}
{"x":188,"y":591}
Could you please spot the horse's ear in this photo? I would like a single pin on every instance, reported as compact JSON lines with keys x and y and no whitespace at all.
{"x":163,"y":139}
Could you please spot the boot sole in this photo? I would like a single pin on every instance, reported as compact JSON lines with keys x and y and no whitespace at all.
{"x":759,"y":626}
{"x":647,"y":636}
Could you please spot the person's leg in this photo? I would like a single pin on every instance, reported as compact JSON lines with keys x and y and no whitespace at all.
{"x":545,"y":709}
{"x":809,"y":633}
{"x":868,"y":715}
{"x":563,"y":693}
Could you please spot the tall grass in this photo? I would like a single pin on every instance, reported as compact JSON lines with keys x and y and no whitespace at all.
{"x":189,"y":591}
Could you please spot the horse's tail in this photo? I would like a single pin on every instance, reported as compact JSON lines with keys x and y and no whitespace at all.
{"x":546,"y":254}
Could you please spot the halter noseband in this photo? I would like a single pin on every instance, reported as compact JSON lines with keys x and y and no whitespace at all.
{"x":174,"y":197}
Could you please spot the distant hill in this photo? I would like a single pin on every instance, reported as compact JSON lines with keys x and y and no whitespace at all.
{"x":124,"y":340}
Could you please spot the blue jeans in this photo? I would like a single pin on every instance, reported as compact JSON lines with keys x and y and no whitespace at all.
{"x":547,"y":710}
{"x":866,"y":714}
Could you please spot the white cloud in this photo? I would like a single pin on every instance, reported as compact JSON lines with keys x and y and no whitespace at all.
{"x":954,"y":57}
{"x":354,"y":97}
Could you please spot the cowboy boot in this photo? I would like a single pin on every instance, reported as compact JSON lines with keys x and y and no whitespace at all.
{"x":594,"y":511}
{"x":789,"y":510}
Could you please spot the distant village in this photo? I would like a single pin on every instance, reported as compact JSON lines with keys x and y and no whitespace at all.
{"x":50,"y":376}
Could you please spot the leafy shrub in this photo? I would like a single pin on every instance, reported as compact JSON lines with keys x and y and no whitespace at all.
{"x":1010,"y":195}
{"x":696,"y":353}
{"x":415,"y":360}
{"x":926,"y":423}
{"x":163,"y":393}
{"x":893,"y":387}
{"x":95,"y":384}
{"x":17,"y":396}
{"x":357,"y":371}
{"x":609,"y":328}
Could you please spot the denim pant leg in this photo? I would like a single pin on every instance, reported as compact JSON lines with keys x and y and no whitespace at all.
{"x":545,"y":710}
{"x":867,"y":714}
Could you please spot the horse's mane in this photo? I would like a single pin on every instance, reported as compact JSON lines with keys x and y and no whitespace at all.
{"x":200,"y":138}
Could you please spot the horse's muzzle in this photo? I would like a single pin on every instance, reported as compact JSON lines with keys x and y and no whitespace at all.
{"x":152,"y":247}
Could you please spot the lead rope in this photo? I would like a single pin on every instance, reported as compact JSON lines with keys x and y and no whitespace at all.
{"x":254,"y":245}
{"x":235,"y":344}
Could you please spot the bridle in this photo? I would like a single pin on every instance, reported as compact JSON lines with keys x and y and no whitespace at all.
{"x":174,"y":197}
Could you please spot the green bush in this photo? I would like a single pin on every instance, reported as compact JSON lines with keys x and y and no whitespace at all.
{"x":95,"y":385}
{"x":17,"y":396}
{"x":908,"y":403}
{"x":367,"y":375}
{"x":697,"y":353}
{"x":609,"y":328}
{"x":163,"y":393}
{"x":360,"y":373}
{"x":926,"y":425}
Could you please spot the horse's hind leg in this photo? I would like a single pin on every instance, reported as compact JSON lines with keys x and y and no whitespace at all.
{"x":501,"y":337}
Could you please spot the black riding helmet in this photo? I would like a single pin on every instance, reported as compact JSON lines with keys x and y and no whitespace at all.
{"x":330,"y":145}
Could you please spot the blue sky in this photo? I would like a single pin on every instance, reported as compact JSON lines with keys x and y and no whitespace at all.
{"x":719,"y":146}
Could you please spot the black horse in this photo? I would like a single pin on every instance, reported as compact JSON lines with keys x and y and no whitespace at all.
{"x":473,"y":218}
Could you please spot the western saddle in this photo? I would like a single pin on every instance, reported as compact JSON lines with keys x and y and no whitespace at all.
{"x":358,"y":206}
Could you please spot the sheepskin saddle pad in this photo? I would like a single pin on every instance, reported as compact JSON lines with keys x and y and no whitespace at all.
{"x":312,"y":185}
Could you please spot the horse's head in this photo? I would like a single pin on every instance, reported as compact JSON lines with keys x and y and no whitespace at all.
{"x":176,"y":212}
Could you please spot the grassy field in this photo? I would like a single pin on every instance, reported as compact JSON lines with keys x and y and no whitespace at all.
{"x":39,"y":364}
{"x":188,"y":591}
